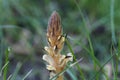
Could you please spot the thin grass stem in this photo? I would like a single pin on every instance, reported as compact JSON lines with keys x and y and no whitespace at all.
{"x":78,"y":66}
{"x":112,"y":21}
{"x":27,"y":74}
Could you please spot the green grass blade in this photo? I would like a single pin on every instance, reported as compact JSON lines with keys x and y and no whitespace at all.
{"x":27,"y":75}
{"x":1,"y":47}
{"x":88,"y":36}
{"x":114,"y":62}
{"x":72,"y":75}
{"x":95,"y":60}
{"x":9,"y":77}
{"x":103,"y":67}
{"x":112,"y":21}
{"x":6,"y":60}
{"x":78,"y":66}
{"x":3,"y":68}
{"x":16,"y":71}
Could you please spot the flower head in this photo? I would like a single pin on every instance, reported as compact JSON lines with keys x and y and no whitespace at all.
{"x":56,"y":61}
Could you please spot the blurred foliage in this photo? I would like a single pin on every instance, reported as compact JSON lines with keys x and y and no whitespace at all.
{"x":23,"y":25}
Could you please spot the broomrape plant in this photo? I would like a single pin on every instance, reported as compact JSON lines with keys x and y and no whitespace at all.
{"x":56,"y":61}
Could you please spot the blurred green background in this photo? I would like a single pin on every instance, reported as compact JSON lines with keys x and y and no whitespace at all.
{"x":92,"y":28}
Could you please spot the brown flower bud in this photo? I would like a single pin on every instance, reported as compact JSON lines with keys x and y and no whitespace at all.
{"x":54,"y":32}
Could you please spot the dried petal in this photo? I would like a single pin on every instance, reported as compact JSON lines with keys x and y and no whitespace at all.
{"x":70,"y":56}
{"x":52,"y":74}
{"x":51,"y":68}
{"x":48,"y":59}
{"x":49,"y":50}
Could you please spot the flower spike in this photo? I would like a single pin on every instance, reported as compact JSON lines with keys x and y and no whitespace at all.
{"x":56,"y":61}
